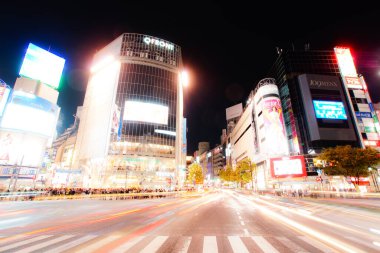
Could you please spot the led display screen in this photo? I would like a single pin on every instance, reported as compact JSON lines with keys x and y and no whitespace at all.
{"x":146,"y":112}
{"x":329,"y":110}
{"x":42,"y":65}
{"x":30,"y":113}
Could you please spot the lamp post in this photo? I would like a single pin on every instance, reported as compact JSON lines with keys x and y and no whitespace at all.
{"x":183,"y":80}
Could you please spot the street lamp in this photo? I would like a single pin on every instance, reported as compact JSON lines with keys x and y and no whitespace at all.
{"x":183,"y":81}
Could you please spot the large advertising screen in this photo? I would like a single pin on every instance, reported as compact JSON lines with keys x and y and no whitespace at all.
{"x":146,"y":112}
{"x":42,"y":65}
{"x":21,"y":149}
{"x":30,"y":113}
{"x":276,"y":142}
{"x":293,"y":166}
{"x":329,"y":110}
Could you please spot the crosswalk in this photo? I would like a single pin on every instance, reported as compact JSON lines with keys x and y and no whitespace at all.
{"x":164,"y":243}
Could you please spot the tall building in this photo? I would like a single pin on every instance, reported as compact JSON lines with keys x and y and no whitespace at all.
{"x":317,"y":111}
{"x":130,"y":133}
{"x":28,"y":118}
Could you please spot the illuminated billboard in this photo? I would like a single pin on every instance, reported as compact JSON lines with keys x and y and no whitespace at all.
{"x":276,"y":142}
{"x":26,"y":112}
{"x":146,"y":112}
{"x":42,"y":65}
{"x":345,"y":61}
{"x":21,"y":149}
{"x":329,"y":110}
{"x":4,"y":94}
{"x":293,"y":166}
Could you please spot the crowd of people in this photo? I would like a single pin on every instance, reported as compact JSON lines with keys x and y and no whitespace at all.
{"x":112,"y":193}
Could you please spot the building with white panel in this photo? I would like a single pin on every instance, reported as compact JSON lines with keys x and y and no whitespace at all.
{"x":130,"y":132}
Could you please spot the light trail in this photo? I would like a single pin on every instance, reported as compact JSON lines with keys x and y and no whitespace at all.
{"x":307,"y":230}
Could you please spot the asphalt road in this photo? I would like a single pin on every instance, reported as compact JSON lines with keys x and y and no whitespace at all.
{"x":220,"y":221}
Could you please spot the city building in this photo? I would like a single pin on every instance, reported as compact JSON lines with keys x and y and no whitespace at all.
{"x":28,"y":119}
{"x":259,"y":134}
{"x":218,"y":160}
{"x":131,"y":128}
{"x":307,"y":79}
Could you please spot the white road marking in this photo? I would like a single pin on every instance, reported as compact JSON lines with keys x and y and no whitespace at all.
{"x":237,"y":245}
{"x":210,"y":245}
{"x":186,"y":245}
{"x":18,"y":244}
{"x":239,"y":217}
{"x":291,"y":245}
{"x":154,"y":245}
{"x":45,"y":244}
{"x":246,"y":232}
{"x":376,"y":231}
{"x":71,"y":244}
{"x":316,"y":244}
{"x":264,"y":245}
{"x":242,"y":223}
{"x":362,"y":242}
{"x":127,"y":245}
{"x":99,"y":244}
{"x":376,"y":243}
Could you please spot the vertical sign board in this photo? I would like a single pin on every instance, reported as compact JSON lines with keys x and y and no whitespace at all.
{"x":353,"y":82}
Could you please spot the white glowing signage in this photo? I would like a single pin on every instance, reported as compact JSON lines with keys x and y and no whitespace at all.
{"x":146,"y":112}
{"x":158,"y":42}
{"x":30,"y":113}
{"x":166,"y":132}
{"x":345,"y":61}
{"x":42,"y":65}
{"x":288,"y":166}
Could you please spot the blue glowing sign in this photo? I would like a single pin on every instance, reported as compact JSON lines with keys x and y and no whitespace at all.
{"x":329,"y":110}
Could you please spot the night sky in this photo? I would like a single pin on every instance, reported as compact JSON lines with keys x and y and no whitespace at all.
{"x":227,"y":48}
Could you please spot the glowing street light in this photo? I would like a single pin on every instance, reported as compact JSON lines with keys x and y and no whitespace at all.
{"x":184,"y":78}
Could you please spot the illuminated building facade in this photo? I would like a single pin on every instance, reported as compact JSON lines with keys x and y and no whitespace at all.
{"x":130,"y":132}
{"x":309,"y":81}
{"x":28,"y":119}
{"x":259,"y":133}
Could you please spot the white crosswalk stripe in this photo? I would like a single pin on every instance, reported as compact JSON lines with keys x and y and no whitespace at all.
{"x":364,"y":243}
{"x":47,"y":243}
{"x":149,"y":244}
{"x":25,"y":242}
{"x":71,"y":244}
{"x":129,"y":244}
{"x":316,"y":244}
{"x":186,"y":245}
{"x":210,"y":245}
{"x":291,"y":245}
{"x":264,"y":245}
{"x":99,"y":244}
{"x":237,"y":244}
{"x":155,"y":244}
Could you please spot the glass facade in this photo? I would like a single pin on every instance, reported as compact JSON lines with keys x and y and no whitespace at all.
{"x":142,"y":145}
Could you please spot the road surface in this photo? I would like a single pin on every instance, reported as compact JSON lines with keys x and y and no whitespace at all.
{"x":219,"y":221}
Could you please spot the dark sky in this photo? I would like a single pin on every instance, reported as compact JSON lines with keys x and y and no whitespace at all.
{"x":227,"y":48}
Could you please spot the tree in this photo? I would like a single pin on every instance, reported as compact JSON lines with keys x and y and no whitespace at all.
{"x":244,"y":171}
{"x":349,"y":161}
{"x":227,"y":174}
{"x":195,"y":174}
